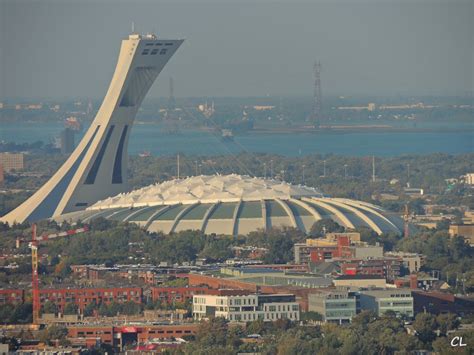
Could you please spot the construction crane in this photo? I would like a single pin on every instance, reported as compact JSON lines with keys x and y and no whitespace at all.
{"x":35,"y":240}
{"x":406,"y":219}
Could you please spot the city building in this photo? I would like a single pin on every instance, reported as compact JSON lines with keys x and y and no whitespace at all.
{"x":436,"y":302}
{"x":246,"y":307}
{"x":12,"y":161}
{"x":397,"y":300}
{"x":81,"y":297}
{"x":234,"y":205}
{"x":336,"y":306}
{"x":411,"y":261}
{"x":67,"y":141}
{"x":12,"y":296}
{"x":97,"y":168}
{"x":469,"y":179}
{"x":360,"y":281}
{"x":335,"y":246}
{"x":120,"y":336}
{"x":463,"y":230}
{"x":387,"y":268}
{"x":171,"y":295}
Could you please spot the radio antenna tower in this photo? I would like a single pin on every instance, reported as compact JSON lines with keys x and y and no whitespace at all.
{"x":317,"y":95}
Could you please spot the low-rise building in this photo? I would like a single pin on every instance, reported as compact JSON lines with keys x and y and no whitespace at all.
{"x":11,"y":161}
{"x":380,"y":301}
{"x":335,"y":306}
{"x":411,"y":261}
{"x":245,"y":307}
{"x":360,"y":281}
{"x":120,"y":336}
{"x":81,"y":297}
{"x":170,"y":295}
{"x":12,"y":296}
{"x":388,"y":268}
{"x":464,"y":230}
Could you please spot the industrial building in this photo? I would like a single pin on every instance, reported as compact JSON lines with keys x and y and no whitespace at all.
{"x":234,"y":205}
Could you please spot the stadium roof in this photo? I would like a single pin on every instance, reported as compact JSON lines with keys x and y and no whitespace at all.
{"x":232,"y":205}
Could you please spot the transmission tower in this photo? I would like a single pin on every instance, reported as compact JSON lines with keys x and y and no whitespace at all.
{"x":317,"y":95}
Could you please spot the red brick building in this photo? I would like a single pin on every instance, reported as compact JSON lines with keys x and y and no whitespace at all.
{"x":12,"y":296}
{"x":118,"y":336}
{"x":389,"y":268}
{"x":83,"y":296}
{"x":171,"y":295}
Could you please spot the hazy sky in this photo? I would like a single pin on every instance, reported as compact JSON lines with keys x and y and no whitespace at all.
{"x":240,"y":48}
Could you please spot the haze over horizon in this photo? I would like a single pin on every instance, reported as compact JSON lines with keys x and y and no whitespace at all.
{"x":384,"y":48}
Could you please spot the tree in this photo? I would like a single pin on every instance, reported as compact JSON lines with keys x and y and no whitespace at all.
{"x":425,"y":325}
{"x":311,"y":316}
{"x":280,"y":249}
{"x":89,"y":309}
{"x":53,"y":333}
{"x":70,"y":308}
{"x":325,"y":225}
{"x":49,"y":307}
{"x":212,"y":332}
{"x":447,"y":322}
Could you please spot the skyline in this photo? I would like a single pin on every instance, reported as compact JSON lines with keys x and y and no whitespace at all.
{"x":421,"y":49}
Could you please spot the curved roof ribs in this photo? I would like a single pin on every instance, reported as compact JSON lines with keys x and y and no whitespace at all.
{"x":367,"y":207}
{"x":288,"y":211}
{"x":208,"y":213}
{"x":344,"y":220}
{"x":359,"y":214}
{"x":180,"y":215}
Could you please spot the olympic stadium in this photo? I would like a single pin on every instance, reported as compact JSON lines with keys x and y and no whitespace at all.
{"x":93,"y":181}
{"x":233,"y":205}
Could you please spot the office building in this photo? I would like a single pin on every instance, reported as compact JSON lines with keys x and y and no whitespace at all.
{"x":380,"y":301}
{"x":245,"y":307}
{"x":67,"y":141}
{"x":335,"y":306}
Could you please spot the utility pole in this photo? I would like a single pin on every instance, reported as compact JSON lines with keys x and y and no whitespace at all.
{"x":177,"y":163}
{"x":373,"y":168}
{"x":317,"y":95}
{"x":406,"y":218}
{"x":408,"y":174}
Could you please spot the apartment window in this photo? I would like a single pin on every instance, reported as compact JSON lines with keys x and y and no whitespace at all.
{"x":163,"y":51}
{"x":168,"y":44}
{"x":154,"y":51}
{"x":295,"y":307}
{"x":149,"y":44}
{"x":145,"y":52}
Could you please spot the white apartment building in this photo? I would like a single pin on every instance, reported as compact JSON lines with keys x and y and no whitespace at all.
{"x":245,"y":308}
